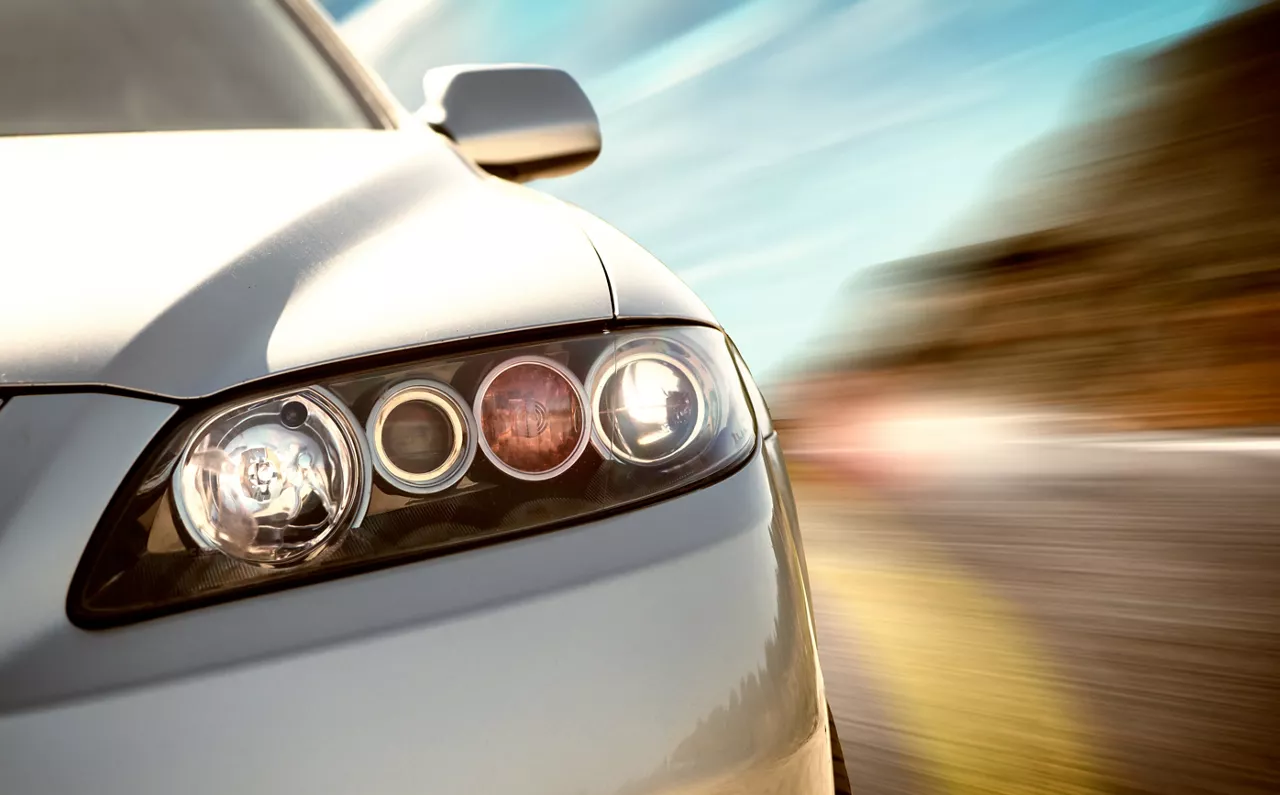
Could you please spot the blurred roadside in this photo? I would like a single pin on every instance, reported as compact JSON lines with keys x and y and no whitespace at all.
{"x":1037,"y":471}
{"x":1128,"y":274}
{"x":1108,"y":628}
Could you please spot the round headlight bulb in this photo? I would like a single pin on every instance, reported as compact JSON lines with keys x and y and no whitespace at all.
{"x":273,"y":481}
{"x":532,"y":416}
{"x":421,"y":438}
{"x":647,"y":405}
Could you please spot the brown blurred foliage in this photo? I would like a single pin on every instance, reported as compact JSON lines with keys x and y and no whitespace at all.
{"x":1131,"y":267}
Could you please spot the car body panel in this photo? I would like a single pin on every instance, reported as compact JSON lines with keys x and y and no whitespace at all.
{"x":653,"y":651}
{"x":62,"y":457}
{"x":663,"y":650}
{"x":181,"y":264}
{"x":642,"y":286}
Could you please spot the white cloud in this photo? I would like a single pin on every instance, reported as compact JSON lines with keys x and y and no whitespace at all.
{"x":781,"y":256}
{"x":713,"y":43}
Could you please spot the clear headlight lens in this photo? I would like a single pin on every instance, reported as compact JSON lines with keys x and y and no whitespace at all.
{"x":272,"y":481}
{"x":381,"y":467}
{"x":649,"y":403}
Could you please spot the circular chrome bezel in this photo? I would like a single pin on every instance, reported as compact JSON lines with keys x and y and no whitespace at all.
{"x":579,"y":392}
{"x":363,"y":474}
{"x":608,"y":365}
{"x":453,"y":406}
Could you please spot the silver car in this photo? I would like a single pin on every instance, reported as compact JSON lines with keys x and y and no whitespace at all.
{"x":334,"y":460}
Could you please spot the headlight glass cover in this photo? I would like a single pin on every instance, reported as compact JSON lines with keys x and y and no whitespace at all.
{"x":404,"y":462}
{"x":271,"y":481}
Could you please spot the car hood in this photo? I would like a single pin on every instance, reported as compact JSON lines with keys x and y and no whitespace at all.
{"x":181,"y":264}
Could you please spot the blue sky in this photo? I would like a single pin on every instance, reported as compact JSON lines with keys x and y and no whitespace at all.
{"x":767,"y":149}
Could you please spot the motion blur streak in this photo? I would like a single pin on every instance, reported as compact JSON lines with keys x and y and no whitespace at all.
{"x":980,"y":710}
{"x":1009,"y":272}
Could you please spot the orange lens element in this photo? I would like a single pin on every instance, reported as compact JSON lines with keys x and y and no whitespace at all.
{"x":532,"y":419}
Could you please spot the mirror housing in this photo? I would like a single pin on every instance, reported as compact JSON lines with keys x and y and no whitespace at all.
{"x":516,"y":121}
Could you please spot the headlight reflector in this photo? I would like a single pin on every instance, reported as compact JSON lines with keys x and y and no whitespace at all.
{"x":421,"y":439}
{"x":272,"y":481}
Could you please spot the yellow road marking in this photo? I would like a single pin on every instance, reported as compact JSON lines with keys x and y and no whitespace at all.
{"x":979,"y":708}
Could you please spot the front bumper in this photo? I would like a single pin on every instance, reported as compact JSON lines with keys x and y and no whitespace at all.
{"x":665,"y":650}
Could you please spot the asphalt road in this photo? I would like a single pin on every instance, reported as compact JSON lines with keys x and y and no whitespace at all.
{"x":1082,"y":616}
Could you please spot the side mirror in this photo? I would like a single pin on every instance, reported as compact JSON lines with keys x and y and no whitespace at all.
{"x":516,"y":121}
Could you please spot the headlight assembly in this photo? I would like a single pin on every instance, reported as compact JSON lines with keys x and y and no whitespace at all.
{"x":400,"y":463}
{"x":274,"y":480}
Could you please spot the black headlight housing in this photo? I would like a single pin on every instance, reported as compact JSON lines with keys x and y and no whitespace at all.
{"x":402,"y":462}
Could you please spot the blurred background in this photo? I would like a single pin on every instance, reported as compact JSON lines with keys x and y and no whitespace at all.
{"x":1008,"y":271}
